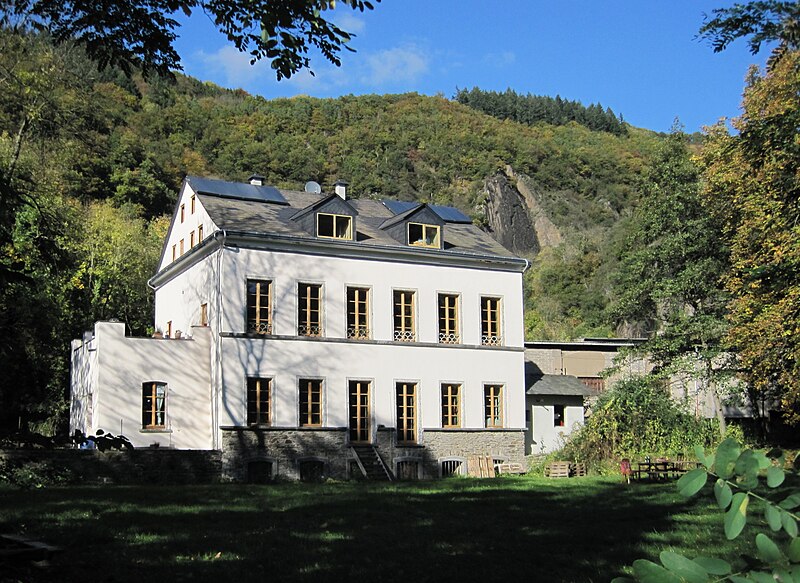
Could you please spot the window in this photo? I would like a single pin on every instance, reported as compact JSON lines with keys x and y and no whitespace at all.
{"x":359,"y":411}
{"x":404,"y":316}
{"x":169,"y":329}
{"x":259,"y":306}
{"x":334,"y":226}
{"x":493,"y":405}
{"x":310,"y":402}
{"x":204,"y":314}
{"x":183,"y":212}
{"x":423,"y":235}
{"x":452,"y":467}
{"x":406,"y":412}
{"x":181,"y":247}
{"x":558,"y":415}
{"x":191,"y":240}
{"x":358,"y":313}
{"x":199,"y":233}
{"x":259,"y":395}
{"x":490,"y":322}
{"x":451,"y":405}
{"x":448,"y":319}
{"x":407,"y":470}
{"x":174,"y":252}
{"x":192,"y":206}
{"x":595,"y":383}
{"x":154,"y":405}
{"x":309,"y":309}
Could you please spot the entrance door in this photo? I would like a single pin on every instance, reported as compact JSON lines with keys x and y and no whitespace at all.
{"x":359,"y":412}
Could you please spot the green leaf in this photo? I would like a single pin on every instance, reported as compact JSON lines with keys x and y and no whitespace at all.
{"x":767,"y":549}
{"x":763,"y":461}
{"x":692,"y":482}
{"x":622,"y":580}
{"x":775,"y":477}
{"x":794,"y":550}
{"x":783,"y":576}
{"x":747,"y":467}
{"x":773,"y":515}
{"x":789,"y":524}
{"x":684,"y":568}
{"x":791,"y":502}
{"x":714,"y":566}
{"x":648,"y":572}
{"x":700,"y":454}
{"x":723,"y":493}
{"x":736,"y":517}
{"x":737,"y":579}
{"x":760,"y":577}
{"x":726,"y":456}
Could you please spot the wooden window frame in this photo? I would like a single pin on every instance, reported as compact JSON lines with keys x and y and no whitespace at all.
{"x":309,"y":319}
{"x":194,"y":197}
{"x":199,"y":234}
{"x":183,"y":213}
{"x":493,"y":405}
{"x":366,"y":427}
{"x":181,"y":248}
{"x":335,"y":223}
{"x":259,"y":401}
{"x":491,"y":321}
{"x":451,"y":405}
{"x":309,"y":395}
{"x":174,"y":252}
{"x":404,"y":321}
{"x":191,"y":240}
{"x":358,"y":312}
{"x":169,"y":330}
{"x":204,"y":314}
{"x":406,"y":408}
{"x":448,"y":318}
{"x":422,"y":241}
{"x":258,"y":317}
{"x":151,"y":410}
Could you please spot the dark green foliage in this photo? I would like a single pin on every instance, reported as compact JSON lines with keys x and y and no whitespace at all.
{"x":532,"y":109}
{"x":637,"y":417}
{"x":139,"y":34}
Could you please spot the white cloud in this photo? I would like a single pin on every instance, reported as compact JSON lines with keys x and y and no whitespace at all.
{"x":232,"y":66}
{"x":398,"y":65}
{"x":349,"y":22}
{"x":503,"y":59}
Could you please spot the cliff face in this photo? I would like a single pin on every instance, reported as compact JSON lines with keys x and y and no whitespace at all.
{"x":514,"y":215}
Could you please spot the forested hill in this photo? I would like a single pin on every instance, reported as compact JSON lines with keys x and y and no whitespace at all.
{"x":91,"y":161}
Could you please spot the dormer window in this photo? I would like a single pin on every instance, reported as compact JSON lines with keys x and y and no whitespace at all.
{"x":423,"y":235}
{"x":334,"y":226}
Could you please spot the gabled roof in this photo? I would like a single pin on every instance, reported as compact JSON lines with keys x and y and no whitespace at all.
{"x":418,"y":209}
{"x":323,"y":202}
{"x":234,"y":213}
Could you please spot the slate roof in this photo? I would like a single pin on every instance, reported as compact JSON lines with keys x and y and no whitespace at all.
{"x":239,"y":214}
{"x":537,"y":383}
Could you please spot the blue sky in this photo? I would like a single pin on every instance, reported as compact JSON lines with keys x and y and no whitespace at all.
{"x":639,"y":58}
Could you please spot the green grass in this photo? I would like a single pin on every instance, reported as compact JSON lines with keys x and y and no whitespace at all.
{"x":533,"y":529}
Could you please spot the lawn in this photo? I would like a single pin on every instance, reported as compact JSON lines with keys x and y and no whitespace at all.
{"x":532,"y":529}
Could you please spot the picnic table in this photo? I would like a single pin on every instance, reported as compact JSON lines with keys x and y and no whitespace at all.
{"x":662,"y":468}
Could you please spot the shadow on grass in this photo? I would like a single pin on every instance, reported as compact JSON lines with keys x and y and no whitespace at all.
{"x":576,"y":530}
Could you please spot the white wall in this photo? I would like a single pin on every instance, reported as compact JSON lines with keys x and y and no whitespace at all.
{"x":547,"y":437}
{"x":182,"y":230}
{"x":121,"y":365}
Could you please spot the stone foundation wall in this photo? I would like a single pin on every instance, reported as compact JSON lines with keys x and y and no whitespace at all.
{"x":138,"y":466}
{"x":282,"y":452}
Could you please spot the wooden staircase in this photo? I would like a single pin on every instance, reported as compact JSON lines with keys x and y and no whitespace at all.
{"x":370,"y":463}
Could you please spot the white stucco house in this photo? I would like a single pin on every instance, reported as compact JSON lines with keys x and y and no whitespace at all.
{"x":305,"y":334}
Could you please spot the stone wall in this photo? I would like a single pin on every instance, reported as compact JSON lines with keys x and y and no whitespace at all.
{"x":138,"y":466}
{"x":507,"y":445}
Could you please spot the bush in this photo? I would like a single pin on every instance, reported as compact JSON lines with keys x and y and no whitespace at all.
{"x":635,"y":418}
{"x":33,"y":474}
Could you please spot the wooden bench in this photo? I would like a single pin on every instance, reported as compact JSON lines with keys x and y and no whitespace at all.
{"x":557,"y":470}
{"x":510,"y":468}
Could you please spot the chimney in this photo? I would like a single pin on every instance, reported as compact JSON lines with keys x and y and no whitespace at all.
{"x":340,"y":188}
{"x":256,"y":180}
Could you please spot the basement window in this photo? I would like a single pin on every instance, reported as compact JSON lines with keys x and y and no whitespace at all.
{"x":334,"y":226}
{"x":422,"y":235}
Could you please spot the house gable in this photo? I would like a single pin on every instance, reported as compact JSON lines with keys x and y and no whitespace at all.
{"x":419,"y":226}
{"x":332,"y":218}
